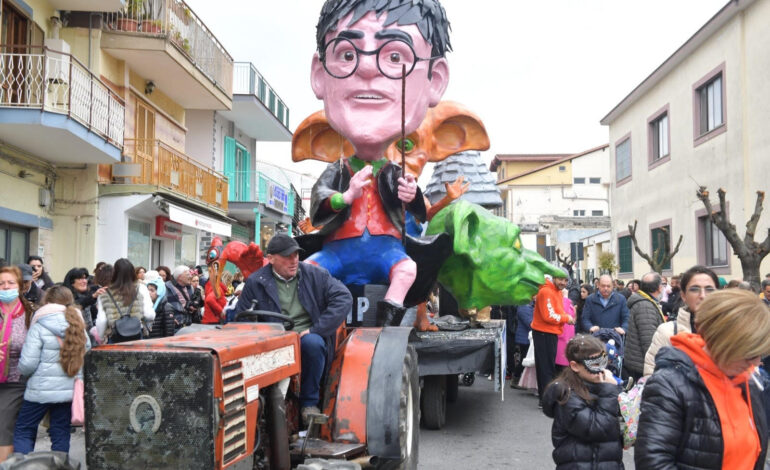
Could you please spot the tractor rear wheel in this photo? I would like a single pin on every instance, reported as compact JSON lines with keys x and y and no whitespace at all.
{"x":409,"y":411}
{"x":434,"y":401}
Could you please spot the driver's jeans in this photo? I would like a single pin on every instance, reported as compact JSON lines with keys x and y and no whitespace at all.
{"x":313,"y":350}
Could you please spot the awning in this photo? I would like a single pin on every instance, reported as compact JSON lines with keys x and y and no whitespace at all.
{"x":199,"y":221}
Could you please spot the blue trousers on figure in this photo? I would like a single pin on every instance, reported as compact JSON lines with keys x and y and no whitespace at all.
{"x":313,"y":350}
{"x":30,"y":415}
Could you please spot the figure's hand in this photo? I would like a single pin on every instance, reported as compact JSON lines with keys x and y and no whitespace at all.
{"x":2,"y":354}
{"x":306,"y":226}
{"x":456,"y":189}
{"x":594,"y":329}
{"x":620,"y":330}
{"x":407,"y":188}
{"x":357,"y":183}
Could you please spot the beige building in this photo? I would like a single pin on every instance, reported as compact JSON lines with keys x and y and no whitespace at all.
{"x":556,"y":200}
{"x":700,"y":118}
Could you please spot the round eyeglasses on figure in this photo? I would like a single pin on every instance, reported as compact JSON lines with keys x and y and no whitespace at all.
{"x":341,"y":58}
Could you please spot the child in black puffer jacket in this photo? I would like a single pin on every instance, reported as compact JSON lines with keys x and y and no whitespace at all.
{"x":583,"y":402}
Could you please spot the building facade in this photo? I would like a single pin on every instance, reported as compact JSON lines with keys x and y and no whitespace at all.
{"x":559,"y":202}
{"x":698,"y":120}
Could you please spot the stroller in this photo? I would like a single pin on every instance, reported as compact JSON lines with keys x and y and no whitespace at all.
{"x":613,"y":343}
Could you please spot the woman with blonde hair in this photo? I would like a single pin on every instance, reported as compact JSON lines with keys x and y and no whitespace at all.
{"x":15,"y":316}
{"x":702,"y":409}
{"x":52,"y":358}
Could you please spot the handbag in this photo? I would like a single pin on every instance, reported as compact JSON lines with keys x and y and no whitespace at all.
{"x":78,"y":407}
{"x":630,"y":403}
{"x":126,"y":328}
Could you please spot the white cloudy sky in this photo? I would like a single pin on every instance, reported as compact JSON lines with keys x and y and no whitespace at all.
{"x":540,"y":74}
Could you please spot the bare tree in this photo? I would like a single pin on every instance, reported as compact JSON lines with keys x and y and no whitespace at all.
{"x":566,"y":261}
{"x":660,"y":257}
{"x":747,"y":249}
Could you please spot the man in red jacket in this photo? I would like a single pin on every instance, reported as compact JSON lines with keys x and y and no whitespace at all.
{"x":547,"y":324}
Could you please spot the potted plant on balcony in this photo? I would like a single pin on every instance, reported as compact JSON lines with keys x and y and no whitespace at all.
{"x":130,"y":22}
{"x":151,"y":26}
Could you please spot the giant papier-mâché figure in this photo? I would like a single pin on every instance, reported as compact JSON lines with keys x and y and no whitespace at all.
{"x":365,"y":47}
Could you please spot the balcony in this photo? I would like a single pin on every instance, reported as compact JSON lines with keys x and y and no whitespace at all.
{"x":53,"y":107}
{"x":87,"y":5}
{"x":154,"y":164}
{"x":164,"y":41}
{"x":256,"y":189}
{"x":257,"y":109}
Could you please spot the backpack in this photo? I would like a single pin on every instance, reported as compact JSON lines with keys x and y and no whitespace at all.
{"x":630,"y":409}
{"x":126,"y":328}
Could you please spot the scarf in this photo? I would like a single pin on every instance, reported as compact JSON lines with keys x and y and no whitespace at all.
{"x":5,"y":337}
{"x":654,"y":302}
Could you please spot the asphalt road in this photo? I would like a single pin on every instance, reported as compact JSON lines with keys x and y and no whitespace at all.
{"x":483,"y":432}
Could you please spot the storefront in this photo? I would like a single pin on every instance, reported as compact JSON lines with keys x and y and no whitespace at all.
{"x":155,"y":231}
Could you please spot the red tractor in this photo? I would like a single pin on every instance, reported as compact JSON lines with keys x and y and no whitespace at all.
{"x":226,"y":397}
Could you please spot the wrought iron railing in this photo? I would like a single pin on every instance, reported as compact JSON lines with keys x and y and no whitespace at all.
{"x":248,"y":81}
{"x":165,"y":167}
{"x":177,"y":23}
{"x":39,"y":78}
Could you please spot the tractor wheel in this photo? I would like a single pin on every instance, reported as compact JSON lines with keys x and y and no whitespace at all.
{"x":434,"y":398}
{"x":409,"y":412}
{"x":452,"y":387}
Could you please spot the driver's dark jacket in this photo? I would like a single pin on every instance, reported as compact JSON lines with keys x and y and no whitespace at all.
{"x":325,"y":299}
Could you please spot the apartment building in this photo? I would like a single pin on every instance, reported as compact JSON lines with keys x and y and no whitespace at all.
{"x":699,"y":119}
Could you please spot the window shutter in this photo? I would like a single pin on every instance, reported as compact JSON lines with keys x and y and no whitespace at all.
{"x":230,"y":167}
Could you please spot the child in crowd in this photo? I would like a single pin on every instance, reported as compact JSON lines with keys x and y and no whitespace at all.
{"x":567,"y":334}
{"x":52,"y":358}
{"x":583,"y":402}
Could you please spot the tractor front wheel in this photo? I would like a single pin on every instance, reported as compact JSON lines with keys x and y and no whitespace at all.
{"x":434,"y":401}
{"x":409,"y":411}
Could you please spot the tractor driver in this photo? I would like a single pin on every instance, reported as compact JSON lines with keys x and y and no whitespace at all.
{"x":311,"y":297}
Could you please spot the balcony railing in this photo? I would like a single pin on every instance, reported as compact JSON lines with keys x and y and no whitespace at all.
{"x":167,"y":168}
{"x":248,"y":81}
{"x":177,"y":23}
{"x":39,"y":78}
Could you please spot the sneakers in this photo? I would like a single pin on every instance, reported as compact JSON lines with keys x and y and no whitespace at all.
{"x":307,"y":411}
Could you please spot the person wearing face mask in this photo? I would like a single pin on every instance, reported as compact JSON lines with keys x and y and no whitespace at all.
{"x":644,"y":317}
{"x":583,"y":402}
{"x":703,"y":408}
{"x":15,"y":316}
{"x":696,"y":283}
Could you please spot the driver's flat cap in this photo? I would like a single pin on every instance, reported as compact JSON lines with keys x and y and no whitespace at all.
{"x":282,"y":244}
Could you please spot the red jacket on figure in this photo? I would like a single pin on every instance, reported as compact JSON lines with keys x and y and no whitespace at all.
{"x":214,"y":306}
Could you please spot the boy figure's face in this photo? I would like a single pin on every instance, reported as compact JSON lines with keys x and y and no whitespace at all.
{"x":365,"y":107}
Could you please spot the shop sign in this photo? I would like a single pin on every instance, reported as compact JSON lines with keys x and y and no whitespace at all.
{"x":277,"y":197}
{"x":165,"y":228}
{"x":198,"y":221}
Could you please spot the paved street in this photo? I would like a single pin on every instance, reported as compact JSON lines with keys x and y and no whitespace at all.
{"x":484,"y":433}
{"x":481,"y":433}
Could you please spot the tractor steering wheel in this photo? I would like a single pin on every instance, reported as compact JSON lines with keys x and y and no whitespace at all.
{"x":254,"y":316}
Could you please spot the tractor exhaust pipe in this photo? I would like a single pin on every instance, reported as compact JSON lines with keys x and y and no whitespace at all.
{"x":367,"y":461}
{"x":278,"y":431}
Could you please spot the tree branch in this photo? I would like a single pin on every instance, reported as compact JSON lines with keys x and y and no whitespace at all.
{"x":645,"y":256}
{"x":751,"y":225}
{"x":721,"y":221}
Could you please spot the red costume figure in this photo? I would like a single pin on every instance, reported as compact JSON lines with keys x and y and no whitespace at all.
{"x":248,"y":259}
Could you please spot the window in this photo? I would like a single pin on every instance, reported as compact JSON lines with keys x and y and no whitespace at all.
{"x":625,"y":255}
{"x":710,"y":102}
{"x":595,"y":180}
{"x":597,"y":213}
{"x":661,"y":244}
{"x":562,"y":168}
{"x":659,"y":141}
{"x":138,"y":242}
{"x":715,"y":243}
{"x":578,"y":181}
{"x":623,"y":160}
{"x":238,"y":170}
{"x":14,"y":244}
{"x":578,"y":213}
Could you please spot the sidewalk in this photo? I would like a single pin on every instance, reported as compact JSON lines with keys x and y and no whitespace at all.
{"x":77,"y":444}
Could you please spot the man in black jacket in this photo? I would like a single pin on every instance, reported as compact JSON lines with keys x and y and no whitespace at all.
{"x":312,"y":298}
